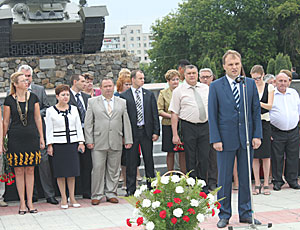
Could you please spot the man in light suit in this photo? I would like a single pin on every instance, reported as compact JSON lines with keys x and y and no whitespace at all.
{"x":80,"y":100}
{"x":44,"y":167}
{"x":228,"y":135}
{"x":105,"y":123}
{"x":143,"y":115}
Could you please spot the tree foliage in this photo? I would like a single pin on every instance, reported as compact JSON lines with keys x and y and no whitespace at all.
{"x":271,"y":66}
{"x":258,"y":29}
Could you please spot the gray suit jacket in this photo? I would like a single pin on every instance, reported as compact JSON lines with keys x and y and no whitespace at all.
{"x":41,"y":94}
{"x":104,"y":131}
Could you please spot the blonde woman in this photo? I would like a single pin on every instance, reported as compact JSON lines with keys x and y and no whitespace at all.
{"x":23,"y":125}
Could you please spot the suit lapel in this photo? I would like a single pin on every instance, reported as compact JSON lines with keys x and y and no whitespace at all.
{"x":72,"y":99}
{"x":101,"y":104}
{"x":228,"y":91}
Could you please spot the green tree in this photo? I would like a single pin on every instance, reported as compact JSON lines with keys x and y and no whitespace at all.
{"x":288,"y":61}
{"x":271,"y":66}
{"x":214,"y":69}
{"x":280,"y":63}
{"x":205,"y":63}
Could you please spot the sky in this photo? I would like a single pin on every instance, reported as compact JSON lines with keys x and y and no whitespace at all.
{"x":131,"y":12}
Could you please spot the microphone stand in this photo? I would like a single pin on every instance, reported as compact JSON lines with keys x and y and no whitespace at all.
{"x":242,"y":79}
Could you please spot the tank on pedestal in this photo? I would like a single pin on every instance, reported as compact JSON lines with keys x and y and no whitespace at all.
{"x":46,"y":27}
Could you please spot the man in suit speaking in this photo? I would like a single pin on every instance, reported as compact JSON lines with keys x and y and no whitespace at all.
{"x":106,"y":123}
{"x":228,"y":136}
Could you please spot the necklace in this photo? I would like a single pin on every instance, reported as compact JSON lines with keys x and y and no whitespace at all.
{"x":23,"y":117}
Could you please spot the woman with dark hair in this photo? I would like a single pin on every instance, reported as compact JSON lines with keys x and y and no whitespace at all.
{"x":65,"y":139}
{"x":89,"y":87}
{"x":23,"y":124}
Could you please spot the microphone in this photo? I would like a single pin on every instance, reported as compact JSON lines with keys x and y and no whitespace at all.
{"x":240,"y":79}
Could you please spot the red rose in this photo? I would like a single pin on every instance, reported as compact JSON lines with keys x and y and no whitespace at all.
{"x":163,"y":214}
{"x":128,"y":223}
{"x":177,"y":200}
{"x":156,"y":191}
{"x":186,"y":218}
{"x":138,"y":204}
{"x":170,"y":204}
{"x":213,"y":212}
{"x":140,"y":221}
{"x":203,"y":194}
{"x":174,"y":220}
{"x":208,"y":206}
{"x":218,"y":205}
{"x":191,"y":211}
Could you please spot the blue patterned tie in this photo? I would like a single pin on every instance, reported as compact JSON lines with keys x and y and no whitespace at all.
{"x":236,"y":94}
{"x":139,"y":108}
{"x":80,"y":108}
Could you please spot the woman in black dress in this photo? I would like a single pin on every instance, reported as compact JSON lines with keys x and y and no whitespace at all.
{"x":23,"y":125}
{"x":65,"y":139}
{"x":263,"y":153}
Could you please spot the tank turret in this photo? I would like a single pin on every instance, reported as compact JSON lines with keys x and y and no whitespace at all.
{"x":45,"y":27}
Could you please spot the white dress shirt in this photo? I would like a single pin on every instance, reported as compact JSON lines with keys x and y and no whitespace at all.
{"x":111,"y":103}
{"x":80,"y":97}
{"x":231,"y":83}
{"x":141,"y":96}
{"x":285,"y":111}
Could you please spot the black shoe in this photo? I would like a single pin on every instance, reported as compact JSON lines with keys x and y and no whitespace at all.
{"x":129,"y":194}
{"x":222,"y":223}
{"x":52,"y":200}
{"x":86,"y":196}
{"x":277,"y":187}
{"x":294,"y":186}
{"x":212,"y":187}
{"x":249,"y":221}
{"x":34,"y":199}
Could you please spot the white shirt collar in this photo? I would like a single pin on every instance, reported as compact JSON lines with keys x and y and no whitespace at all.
{"x":134,"y":89}
{"x":74,"y":93}
{"x":230,"y":80}
{"x":288,"y":91}
{"x":104,"y":99}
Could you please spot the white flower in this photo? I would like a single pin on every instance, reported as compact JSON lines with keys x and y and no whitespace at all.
{"x":155,"y":204}
{"x":154,"y":183}
{"x":137,"y":193}
{"x":194,"y":203}
{"x":175,"y":178}
{"x":164,"y":179}
{"x":211,"y":198}
{"x":190,"y":181}
{"x":202,"y":183}
{"x":146,"y":203}
{"x":143,"y":188}
{"x":179,"y":189}
{"x":150,"y":225}
{"x":135,"y":213}
{"x":178,"y":212}
{"x":200,"y":217}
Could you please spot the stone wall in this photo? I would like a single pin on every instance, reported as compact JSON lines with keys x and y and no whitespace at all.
{"x":50,"y":71}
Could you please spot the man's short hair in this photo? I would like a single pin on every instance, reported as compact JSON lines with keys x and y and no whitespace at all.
{"x":74,"y":77}
{"x":257,"y":69}
{"x":25,"y":67}
{"x":183,"y":62}
{"x":106,"y":79}
{"x":288,"y":73}
{"x":231,"y":52}
{"x":190,"y":67}
{"x":294,"y":69}
{"x":206,"y":70}
{"x":134,"y":72}
{"x":282,"y":73}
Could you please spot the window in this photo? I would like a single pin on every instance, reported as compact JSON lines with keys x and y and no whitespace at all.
{"x":123,"y":45}
{"x":145,"y":58}
{"x":131,"y":38}
{"x":138,"y":31}
{"x":124,"y":39}
{"x":138,"y":52}
{"x":145,"y":38}
{"x":132,"y":51}
{"x":132,"y":45}
{"x":131,"y":31}
{"x":145,"y":44}
{"x":139,"y":45}
{"x":138,"y":38}
{"x":140,"y":58}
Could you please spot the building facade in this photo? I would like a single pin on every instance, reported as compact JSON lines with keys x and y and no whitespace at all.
{"x":131,"y":39}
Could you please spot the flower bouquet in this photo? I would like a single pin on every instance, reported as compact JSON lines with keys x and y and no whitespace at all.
{"x":174,"y":203}
{"x":6,"y":176}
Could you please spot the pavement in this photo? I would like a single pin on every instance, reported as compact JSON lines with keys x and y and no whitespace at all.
{"x":281,"y":208}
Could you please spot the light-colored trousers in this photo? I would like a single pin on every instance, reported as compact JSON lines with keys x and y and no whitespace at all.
{"x":105,"y":173}
{"x":2,"y":184}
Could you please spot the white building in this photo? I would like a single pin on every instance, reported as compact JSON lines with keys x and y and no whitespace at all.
{"x":131,"y":39}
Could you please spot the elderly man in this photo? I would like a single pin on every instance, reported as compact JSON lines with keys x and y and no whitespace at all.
{"x":284,"y":118}
{"x":106,"y":123}
{"x":189,"y":104}
{"x":228,"y":134}
{"x":44,"y":167}
{"x":206,"y":76}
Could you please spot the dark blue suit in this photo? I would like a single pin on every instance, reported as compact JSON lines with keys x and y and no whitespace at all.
{"x":227,"y":125}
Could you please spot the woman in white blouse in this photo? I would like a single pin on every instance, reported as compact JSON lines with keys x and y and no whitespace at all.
{"x":65,"y":139}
